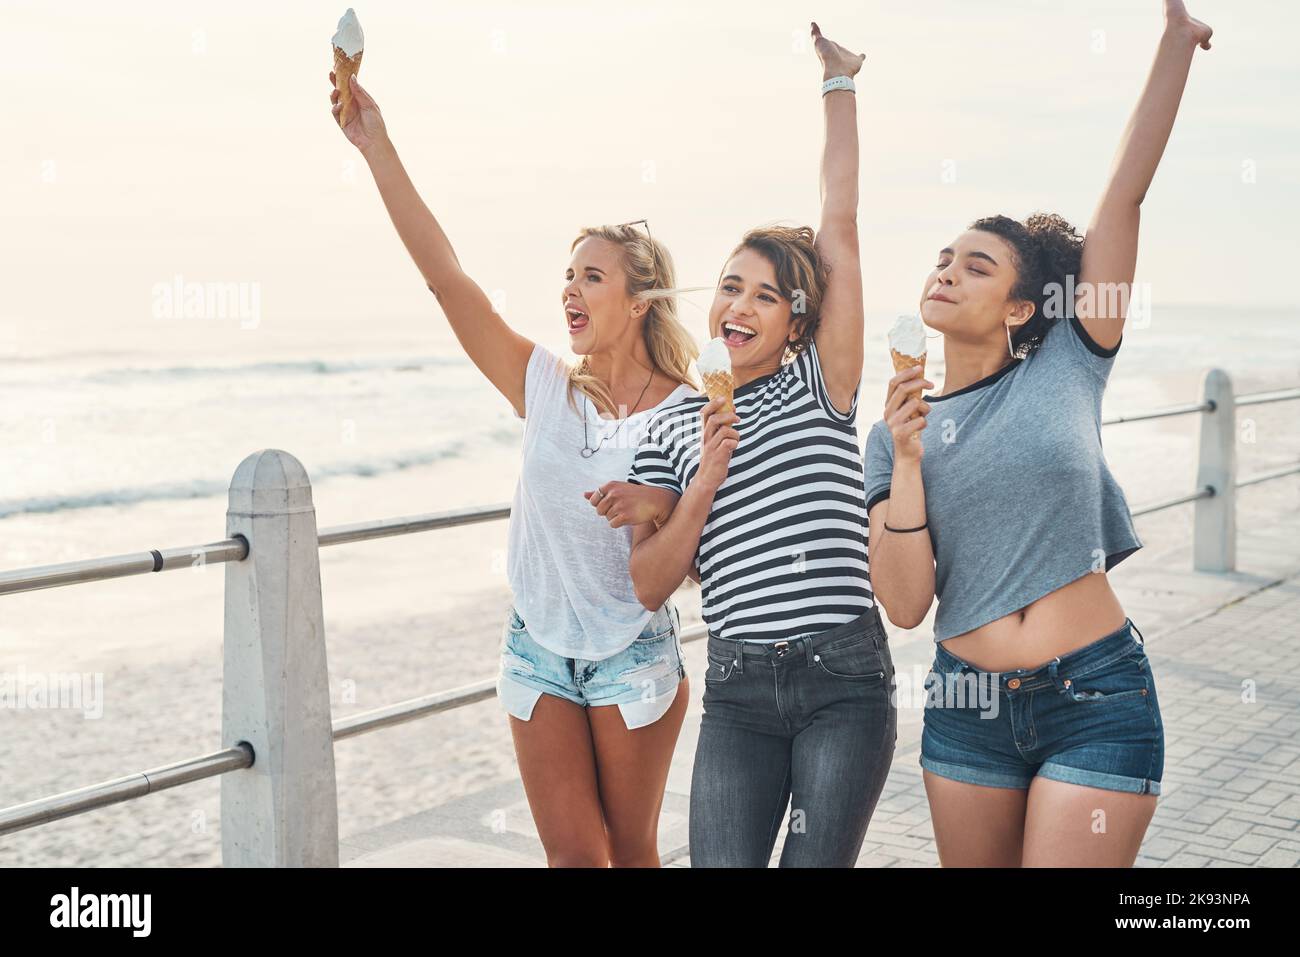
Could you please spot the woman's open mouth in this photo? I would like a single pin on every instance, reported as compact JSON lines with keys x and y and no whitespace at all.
{"x":578,"y":320}
{"x":736,"y":334}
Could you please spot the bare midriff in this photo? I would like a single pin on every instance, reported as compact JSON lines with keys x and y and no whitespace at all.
{"x":1074,"y":615}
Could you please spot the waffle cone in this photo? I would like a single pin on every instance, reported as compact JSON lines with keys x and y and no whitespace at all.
{"x":720,"y":384}
{"x":345,"y":67}
{"x":902,"y":362}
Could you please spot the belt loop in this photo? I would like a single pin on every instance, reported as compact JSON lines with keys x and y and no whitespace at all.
{"x":1051,"y":670}
{"x":1141,"y":637}
{"x":740,"y":656}
{"x":808,"y":653}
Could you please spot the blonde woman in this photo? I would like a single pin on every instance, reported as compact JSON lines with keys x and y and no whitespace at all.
{"x":592,"y":681}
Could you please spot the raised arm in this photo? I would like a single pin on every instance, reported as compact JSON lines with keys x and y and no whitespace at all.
{"x":839,"y":334}
{"x":500,"y":353}
{"x":1110,"y":244}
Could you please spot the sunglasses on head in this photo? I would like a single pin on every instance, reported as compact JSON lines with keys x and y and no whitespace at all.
{"x":640,"y":222}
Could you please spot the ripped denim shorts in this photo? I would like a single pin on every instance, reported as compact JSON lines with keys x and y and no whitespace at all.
{"x":641,"y":679}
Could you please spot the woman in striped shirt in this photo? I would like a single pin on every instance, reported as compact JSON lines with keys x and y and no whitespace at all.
{"x":771,"y":521}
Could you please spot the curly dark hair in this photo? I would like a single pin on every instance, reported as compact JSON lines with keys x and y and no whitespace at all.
{"x":1047,"y":250}
{"x":801,"y":274}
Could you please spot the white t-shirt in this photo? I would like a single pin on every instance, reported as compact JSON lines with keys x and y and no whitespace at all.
{"x":568,"y":569}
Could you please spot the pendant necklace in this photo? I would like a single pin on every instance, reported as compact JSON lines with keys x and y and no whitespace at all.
{"x":587,"y":450}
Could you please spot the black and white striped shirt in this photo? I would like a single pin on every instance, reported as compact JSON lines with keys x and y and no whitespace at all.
{"x":784,"y":551}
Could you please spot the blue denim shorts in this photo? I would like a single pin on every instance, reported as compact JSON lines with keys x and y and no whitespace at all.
{"x":641,"y":679}
{"x":1089,"y":717}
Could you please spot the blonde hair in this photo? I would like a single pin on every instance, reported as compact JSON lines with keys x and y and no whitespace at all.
{"x":650,"y":277}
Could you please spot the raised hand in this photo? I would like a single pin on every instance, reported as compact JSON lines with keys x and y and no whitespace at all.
{"x":836,"y":60}
{"x":1179,"y":22}
{"x":366,"y":127}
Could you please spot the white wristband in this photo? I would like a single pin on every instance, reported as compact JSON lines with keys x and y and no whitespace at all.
{"x":838,"y":83}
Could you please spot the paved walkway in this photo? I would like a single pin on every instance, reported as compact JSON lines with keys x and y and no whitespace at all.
{"x":1225,"y":653}
{"x":1231,"y":787}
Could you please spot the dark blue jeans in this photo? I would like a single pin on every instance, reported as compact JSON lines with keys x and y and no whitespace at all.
{"x":810,"y":723}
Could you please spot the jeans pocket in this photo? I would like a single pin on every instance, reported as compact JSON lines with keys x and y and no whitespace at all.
{"x":1128,"y":677}
{"x":516,"y":652}
{"x":720,"y":669}
{"x":859,"y":661}
{"x":659,"y":627}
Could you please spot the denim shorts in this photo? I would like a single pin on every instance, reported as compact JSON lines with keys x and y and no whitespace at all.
{"x":1089,"y":717}
{"x":641,"y":679}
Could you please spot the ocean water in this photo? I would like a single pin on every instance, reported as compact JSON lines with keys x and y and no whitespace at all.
{"x":82,"y":429}
{"x":116,"y":434}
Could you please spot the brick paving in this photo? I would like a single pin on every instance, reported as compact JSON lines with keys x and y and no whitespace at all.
{"x":1231,"y":786}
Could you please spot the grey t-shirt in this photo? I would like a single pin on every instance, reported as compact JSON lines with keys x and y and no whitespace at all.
{"x":1018,"y":497}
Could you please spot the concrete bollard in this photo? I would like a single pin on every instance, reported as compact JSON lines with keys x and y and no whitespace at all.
{"x":283,"y":810}
{"x":1214,"y":537}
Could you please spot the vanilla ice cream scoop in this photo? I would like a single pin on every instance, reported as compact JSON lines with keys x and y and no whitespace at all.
{"x":714,"y":357}
{"x":907,"y":337}
{"x":349,"y":37}
{"x":714,"y":364}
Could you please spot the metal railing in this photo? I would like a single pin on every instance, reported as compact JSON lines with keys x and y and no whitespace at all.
{"x":279,"y":717}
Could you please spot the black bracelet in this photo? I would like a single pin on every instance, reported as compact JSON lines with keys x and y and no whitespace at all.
{"x":917,"y":529}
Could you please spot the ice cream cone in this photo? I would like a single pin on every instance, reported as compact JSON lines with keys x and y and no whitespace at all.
{"x":714,"y":363}
{"x":720,"y":385}
{"x":344,"y":67}
{"x":902,"y":361}
{"x":907,"y":348}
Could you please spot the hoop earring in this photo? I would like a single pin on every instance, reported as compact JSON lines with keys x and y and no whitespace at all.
{"x":1009,"y":348}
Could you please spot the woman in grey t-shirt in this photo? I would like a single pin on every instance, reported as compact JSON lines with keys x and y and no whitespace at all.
{"x":994,"y":497}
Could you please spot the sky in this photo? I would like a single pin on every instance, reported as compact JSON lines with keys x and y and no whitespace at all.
{"x":155,"y":140}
